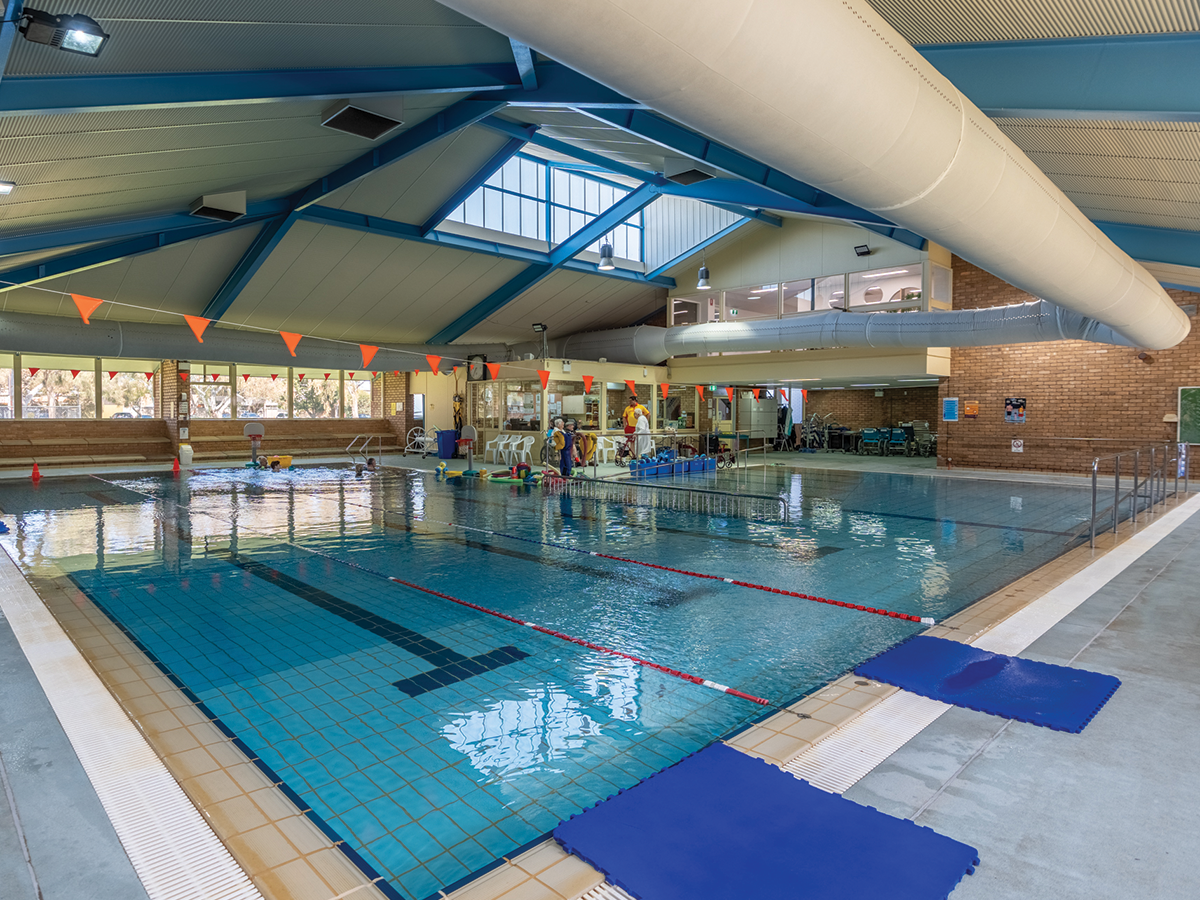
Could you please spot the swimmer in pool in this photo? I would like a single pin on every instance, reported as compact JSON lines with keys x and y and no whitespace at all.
{"x":371,"y":464}
{"x":275,"y":465}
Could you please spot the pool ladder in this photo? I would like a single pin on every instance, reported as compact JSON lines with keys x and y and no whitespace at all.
{"x":363,"y":453}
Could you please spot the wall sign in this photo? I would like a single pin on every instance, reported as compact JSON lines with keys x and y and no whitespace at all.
{"x":1014,"y":410}
{"x":949,"y":409}
{"x":970,"y":409}
{"x":1018,"y":446}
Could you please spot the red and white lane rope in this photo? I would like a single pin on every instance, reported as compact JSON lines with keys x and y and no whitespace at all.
{"x":686,"y":676}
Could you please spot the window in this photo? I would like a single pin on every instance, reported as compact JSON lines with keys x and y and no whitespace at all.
{"x":829,"y":292}
{"x":485,"y":405}
{"x":358,"y":395}
{"x":210,"y":391}
{"x":576,"y":199}
{"x":678,"y":408}
{"x":418,"y":408}
{"x":57,"y":387}
{"x":8,"y":405}
{"x":761,"y":302}
{"x":522,"y":405}
{"x":567,"y":399}
{"x":513,"y":200}
{"x":941,"y":284}
{"x":262,"y":392}
{"x":891,"y":285}
{"x":315,"y":395}
{"x":618,"y":400}
{"x":797,"y":297}
{"x":695,"y":310}
{"x":127,"y":388}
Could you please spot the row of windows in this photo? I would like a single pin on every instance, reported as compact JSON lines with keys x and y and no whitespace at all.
{"x":535,"y":200}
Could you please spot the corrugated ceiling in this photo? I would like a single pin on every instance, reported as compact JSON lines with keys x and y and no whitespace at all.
{"x":967,"y":21}
{"x":1141,"y":173}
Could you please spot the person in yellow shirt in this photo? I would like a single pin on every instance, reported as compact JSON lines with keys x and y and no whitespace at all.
{"x":631,"y":413}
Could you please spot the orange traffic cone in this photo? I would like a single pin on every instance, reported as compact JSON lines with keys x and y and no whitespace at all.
{"x":175,"y":468}
{"x":37,"y":475}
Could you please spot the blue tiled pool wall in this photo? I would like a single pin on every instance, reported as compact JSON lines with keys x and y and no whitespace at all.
{"x":436,"y":786}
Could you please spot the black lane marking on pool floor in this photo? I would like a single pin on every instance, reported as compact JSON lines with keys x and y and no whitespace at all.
{"x":943,"y":521}
{"x":450,"y":666}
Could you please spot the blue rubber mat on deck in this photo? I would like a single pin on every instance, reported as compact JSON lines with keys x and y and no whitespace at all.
{"x":721,"y":824}
{"x":1057,"y":697}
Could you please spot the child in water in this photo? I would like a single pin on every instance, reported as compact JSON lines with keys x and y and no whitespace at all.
{"x":275,"y":467}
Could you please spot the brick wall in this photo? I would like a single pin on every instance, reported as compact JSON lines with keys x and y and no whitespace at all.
{"x":392,"y":388}
{"x":81,"y":441}
{"x":862,"y":409}
{"x":1083,"y":399}
{"x":168,"y":394}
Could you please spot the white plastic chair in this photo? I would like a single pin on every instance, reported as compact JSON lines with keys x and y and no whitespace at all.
{"x":606,"y":448}
{"x":519,"y":450}
{"x":496,"y":446}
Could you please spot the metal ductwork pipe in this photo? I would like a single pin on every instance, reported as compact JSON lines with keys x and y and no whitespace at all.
{"x":1017,"y":324}
{"x":28,"y":333}
{"x":828,"y":92}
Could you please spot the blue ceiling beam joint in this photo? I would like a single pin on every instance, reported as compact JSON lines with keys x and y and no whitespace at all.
{"x":98,"y":256}
{"x":901,"y":235}
{"x":256,"y":254}
{"x":472,"y":184}
{"x":342,"y":218}
{"x":523,"y":57}
{"x":627,"y":206}
{"x":447,"y":122}
{"x":1129,"y":77}
{"x":758,"y":215}
{"x":513,"y":129}
{"x":8,"y":31}
{"x":1160,"y":245}
{"x":703,"y":245}
{"x":559,"y":86}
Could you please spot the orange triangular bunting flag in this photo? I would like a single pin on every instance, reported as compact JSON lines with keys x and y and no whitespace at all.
{"x":665,"y":387}
{"x":396,"y":373}
{"x":700,"y":390}
{"x":183,"y":375}
{"x":86,"y":306}
{"x":291,"y":340}
{"x":327,"y":374}
{"x":300,"y":377}
{"x":756,"y":392}
{"x":112,"y":375}
{"x":350,"y":375}
{"x":34,"y":371}
{"x":587,"y":383}
{"x":74,"y":372}
{"x":197,"y":324}
{"x":245,"y":378}
{"x":149,"y":375}
{"x":274,"y":375}
{"x":729,"y":393}
{"x":494,"y":370}
{"x":433,"y":362}
{"x":216,"y":375}
{"x":544,"y":374}
{"x":632,"y":387}
{"x":368,"y":353}
{"x":804,"y":394}
{"x":783,"y":392}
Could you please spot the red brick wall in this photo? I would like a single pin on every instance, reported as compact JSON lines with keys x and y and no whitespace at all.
{"x":1083,"y":399}
{"x":862,"y":409}
{"x":392,"y":388}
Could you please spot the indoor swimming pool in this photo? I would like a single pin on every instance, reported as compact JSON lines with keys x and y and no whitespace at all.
{"x":432,"y":737}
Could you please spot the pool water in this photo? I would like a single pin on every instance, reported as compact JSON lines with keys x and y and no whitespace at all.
{"x":434,"y":738}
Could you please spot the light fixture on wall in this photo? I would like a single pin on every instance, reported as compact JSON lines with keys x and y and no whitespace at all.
{"x":540,"y":328}
{"x":74,"y":34}
{"x":862,"y":250}
{"x":702,"y":282}
{"x":6,"y":187}
{"x":606,"y":258}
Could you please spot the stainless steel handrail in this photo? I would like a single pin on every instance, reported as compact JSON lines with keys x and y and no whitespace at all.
{"x":1153,"y":488}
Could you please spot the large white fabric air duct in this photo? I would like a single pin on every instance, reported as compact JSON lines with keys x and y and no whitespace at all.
{"x":1019,"y":323}
{"x":828,"y":92}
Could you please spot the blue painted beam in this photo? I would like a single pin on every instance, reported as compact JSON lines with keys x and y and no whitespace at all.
{"x":627,"y":206}
{"x":1161,"y":245}
{"x":127,"y":228}
{"x":57,"y":94}
{"x":256,"y":254}
{"x":447,"y":122}
{"x":468,"y":187}
{"x":342,"y":218}
{"x":1135,"y":77}
{"x":503,"y":126}
{"x":98,"y":256}
{"x":8,"y":31}
{"x":703,"y":245}
{"x":523,"y":57}
{"x":758,"y":214}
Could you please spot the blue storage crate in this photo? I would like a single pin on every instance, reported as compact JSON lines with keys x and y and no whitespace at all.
{"x":678,"y":467}
{"x":710,"y":464}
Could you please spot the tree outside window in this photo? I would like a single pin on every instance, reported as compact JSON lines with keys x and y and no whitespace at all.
{"x":58,"y":388}
{"x":315,"y":395}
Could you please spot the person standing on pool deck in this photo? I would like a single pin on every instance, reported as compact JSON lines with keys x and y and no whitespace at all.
{"x":568,"y":449}
{"x":631,"y":413}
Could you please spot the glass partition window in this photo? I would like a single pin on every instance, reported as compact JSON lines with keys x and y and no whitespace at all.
{"x":893,"y":285}
{"x":678,"y":408}
{"x":567,"y":399}
{"x":513,"y":200}
{"x":695,"y":310}
{"x":315,"y":396}
{"x":522,"y":405}
{"x":486,"y":410}
{"x":941,"y":284}
{"x":210,"y":391}
{"x":8,"y":405}
{"x":58,"y":388}
{"x":829,"y":292}
{"x":262,"y":392}
{"x":761,"y":302}
{"x":618,"y":400}
{"x":127,"y":388}
{"x":358,"y":395}
{"x":576,"y":199}
{"x":797,"y":297}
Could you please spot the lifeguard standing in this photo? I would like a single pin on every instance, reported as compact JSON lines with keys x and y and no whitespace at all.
{"x":630,"y":415}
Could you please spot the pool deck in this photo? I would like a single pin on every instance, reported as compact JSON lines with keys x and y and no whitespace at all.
{"x":1108,"y":813}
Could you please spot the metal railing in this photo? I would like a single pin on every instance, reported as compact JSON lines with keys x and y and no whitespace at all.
{"x":1161,"y":463}
{"x":355,"y":452}
{"x":763,"y":507}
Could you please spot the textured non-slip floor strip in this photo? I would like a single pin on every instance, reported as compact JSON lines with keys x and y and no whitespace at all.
{"x":172,"y":849}
{"x":847,"y":755}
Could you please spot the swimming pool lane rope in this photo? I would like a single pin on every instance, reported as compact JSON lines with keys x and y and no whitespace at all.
{"x":600,"y":648}
{"x":887,"y":613}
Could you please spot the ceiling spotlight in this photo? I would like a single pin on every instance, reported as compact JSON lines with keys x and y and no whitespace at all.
{"x":702,"y":276}
{"x":606,"y":258}
{"x":862,"y":250}
{"x":74,"y":34}
{"x":538,"y":327}
{"x":6,"y":187}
